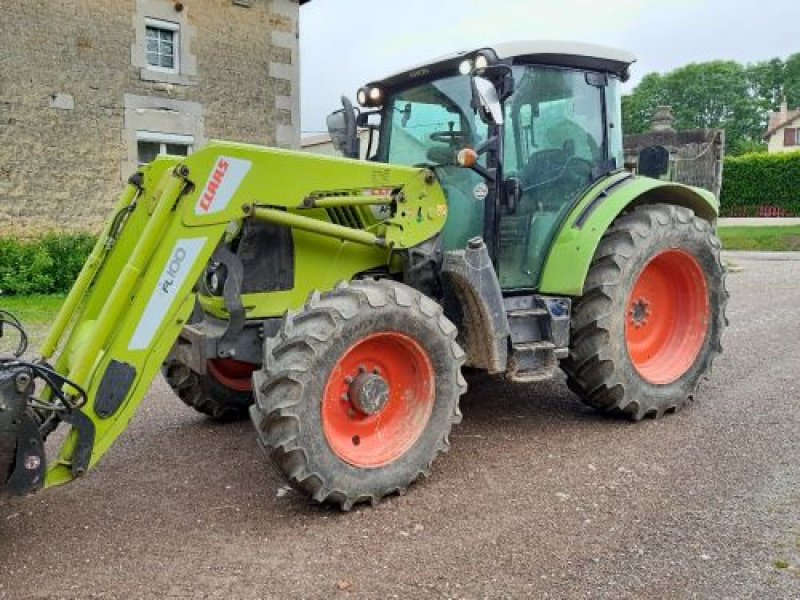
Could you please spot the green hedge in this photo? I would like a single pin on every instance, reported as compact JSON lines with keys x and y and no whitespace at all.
{"x":45,"y":266}
{"x":752,"y":183}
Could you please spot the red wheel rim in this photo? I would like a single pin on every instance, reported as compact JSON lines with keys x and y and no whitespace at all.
{"x":667,"y":316}
{"x":233,"y":374}
{"x":377,"y":439}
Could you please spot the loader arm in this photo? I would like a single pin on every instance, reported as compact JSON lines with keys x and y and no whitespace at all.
{"x":138,"y":287}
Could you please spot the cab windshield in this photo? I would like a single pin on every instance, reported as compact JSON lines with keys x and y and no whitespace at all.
{"x":427,"y":125}
{"x":430,"y":120}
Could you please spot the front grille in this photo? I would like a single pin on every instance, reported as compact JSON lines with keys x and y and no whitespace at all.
{"x":346,"y":216}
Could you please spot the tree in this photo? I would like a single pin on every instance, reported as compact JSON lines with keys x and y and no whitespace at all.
{"x":766,"y":81}
{"x":718,"y":94}
{"x":638,"y":107}
{"x":791,"y":80}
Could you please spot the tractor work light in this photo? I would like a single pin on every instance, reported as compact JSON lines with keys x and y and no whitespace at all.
{"x":481,"y":62}
{"x":370,"y":96}
{"x":470,"y":65}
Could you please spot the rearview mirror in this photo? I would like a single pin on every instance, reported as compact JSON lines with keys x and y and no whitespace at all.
{"x":343,"y":131}
{"x":486,"y":100}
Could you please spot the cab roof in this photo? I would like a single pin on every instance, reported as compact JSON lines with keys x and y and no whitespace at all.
{"x":577,"y":55}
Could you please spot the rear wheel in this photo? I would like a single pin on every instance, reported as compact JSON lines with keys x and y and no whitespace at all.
{"x":359,"y":391}
{"x":224,"y":393}
{"x":649,"y":323}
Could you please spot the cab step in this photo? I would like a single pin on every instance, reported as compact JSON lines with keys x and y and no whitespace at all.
{"x":533,"y":361}
{"x":539,"y":336}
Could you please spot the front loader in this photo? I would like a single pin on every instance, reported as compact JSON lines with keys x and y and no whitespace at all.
{"x":335,"y":301}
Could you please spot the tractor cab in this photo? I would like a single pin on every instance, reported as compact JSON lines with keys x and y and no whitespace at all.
{"x":515,"y":133}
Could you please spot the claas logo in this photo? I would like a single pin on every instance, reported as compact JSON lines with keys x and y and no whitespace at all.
{"x":207,"y":199}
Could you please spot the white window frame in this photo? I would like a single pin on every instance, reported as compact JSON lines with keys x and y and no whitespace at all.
{"x":175,"y":28}
{"x":163,"y":139}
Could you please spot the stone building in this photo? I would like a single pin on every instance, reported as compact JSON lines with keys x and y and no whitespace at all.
{"x":691,"y":156}
{"x":91,"y":88}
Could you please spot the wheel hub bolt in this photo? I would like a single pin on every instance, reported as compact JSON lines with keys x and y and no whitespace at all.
{"x":640,"y":310}
{"x":23,"y":381}
{"x":369,"y":393}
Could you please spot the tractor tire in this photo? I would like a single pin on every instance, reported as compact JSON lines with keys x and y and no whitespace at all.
{"x":358,"y":392}
{"x":649,"y":323}
{"x":220,"y":394}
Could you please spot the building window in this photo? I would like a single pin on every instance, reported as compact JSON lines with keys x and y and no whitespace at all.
{"x":791,"y":137}
{"x":163,"y":45}
{"x":150,"y":144}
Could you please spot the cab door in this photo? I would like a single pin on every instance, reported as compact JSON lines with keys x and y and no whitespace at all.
{"x":554,"y":139}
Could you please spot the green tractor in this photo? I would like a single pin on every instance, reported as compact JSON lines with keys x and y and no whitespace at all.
{"x":335,"y":301}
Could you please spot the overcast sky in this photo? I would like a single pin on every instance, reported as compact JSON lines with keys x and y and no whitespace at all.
{"x":344,"y":43}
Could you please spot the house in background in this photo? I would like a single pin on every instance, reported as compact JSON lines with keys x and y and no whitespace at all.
{"x":89,"y":89}
{"x":783,"y":132}
{"x":322,"y":144}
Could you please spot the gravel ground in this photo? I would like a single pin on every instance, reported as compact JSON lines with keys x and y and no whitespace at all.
{"x":538,"y":498}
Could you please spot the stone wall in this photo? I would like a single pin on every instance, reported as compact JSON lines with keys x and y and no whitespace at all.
{"x":695,"y":155}
{"x":73,"y":92}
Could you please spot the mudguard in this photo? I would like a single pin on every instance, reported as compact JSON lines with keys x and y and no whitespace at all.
{"x":575,"y":243}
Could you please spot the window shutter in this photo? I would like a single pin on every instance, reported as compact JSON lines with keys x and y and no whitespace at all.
{"x":790,"y":136}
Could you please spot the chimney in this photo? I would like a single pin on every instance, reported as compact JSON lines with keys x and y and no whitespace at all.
{"x":663,"y":119}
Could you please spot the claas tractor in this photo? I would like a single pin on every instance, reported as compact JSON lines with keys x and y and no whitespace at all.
{"x":335,"y":301}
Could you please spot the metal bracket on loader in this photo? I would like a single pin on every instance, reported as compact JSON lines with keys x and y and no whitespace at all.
{"x":232,"y":293}
{"x":22,"y":460}
{"x":25,"y":419}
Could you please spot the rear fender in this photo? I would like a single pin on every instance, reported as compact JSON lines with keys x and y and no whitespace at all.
{"x":574,"y":245}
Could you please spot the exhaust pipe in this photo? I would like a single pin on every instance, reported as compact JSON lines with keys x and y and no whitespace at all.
{"x":22,"y":458}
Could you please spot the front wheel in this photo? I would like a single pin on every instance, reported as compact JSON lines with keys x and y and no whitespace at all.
{"x":359,"y":391}
{"x":649,"y":323}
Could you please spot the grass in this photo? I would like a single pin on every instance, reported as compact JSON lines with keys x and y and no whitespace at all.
{"x":36,"y":309}
{"x":775,"y":238}
{"x":35,"y":312}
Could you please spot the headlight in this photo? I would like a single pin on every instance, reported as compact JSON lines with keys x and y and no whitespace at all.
{"x":216,"y":275}
{"x":481,"y":62}
{"x":370,"y":96}
{"x":361,"y":96}
{"x":465,"y":68}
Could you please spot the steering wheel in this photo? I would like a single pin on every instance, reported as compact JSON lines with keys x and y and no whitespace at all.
{"x":555,"y":167}
{"x":543,"y":166}
{"x":450,"y":137}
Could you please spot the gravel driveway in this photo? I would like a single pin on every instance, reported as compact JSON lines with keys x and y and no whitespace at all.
{"x":538,"y":498}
